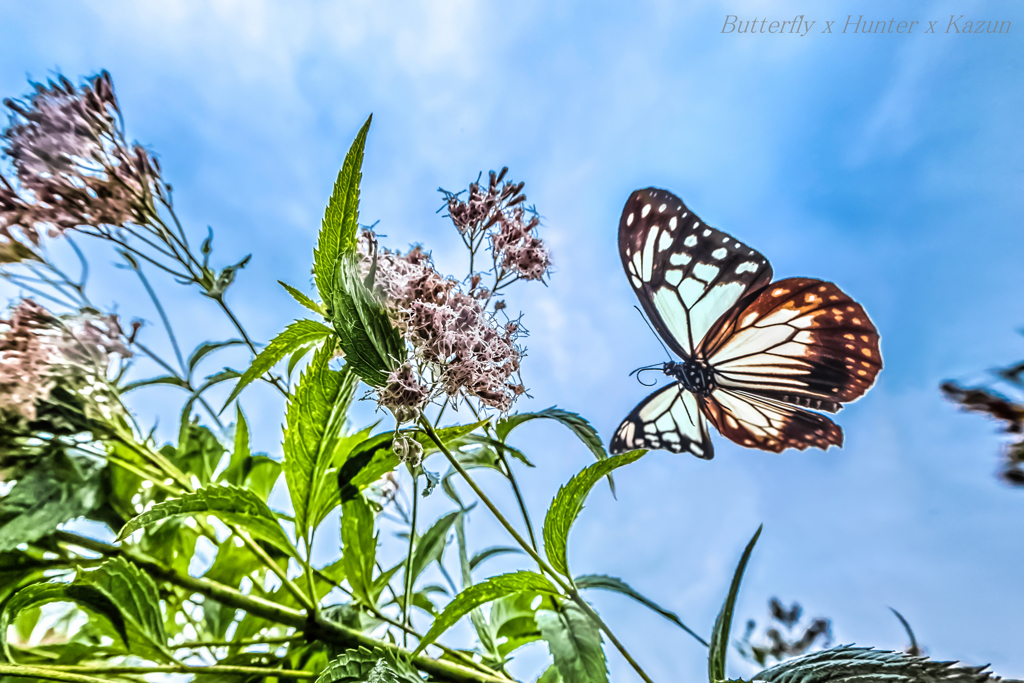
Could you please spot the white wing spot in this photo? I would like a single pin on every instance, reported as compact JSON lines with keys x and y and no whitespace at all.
{"x":695,"y":224}
{"x":652,"y":239}
{"x":673,"y":222}
{"x":720,"y":253}
{"x":696,"y":449}
{"x":746,"y":267}
{"x":705,"y":271}
{"x":646,"y":210}
{"x":680,"y":259}
{"x":665,"y":242}
{"x":673,"y":277}
{"x":636,"y":281}
{"x":637,"y":262}
{"x":690,"y":241}
{"x":707,"y":232}
{"x":662,"y":208}
{"x":690,"y":291}
{"x":629,"y":219}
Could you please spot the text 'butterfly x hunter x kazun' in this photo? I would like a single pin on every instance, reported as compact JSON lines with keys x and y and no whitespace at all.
{"x":757,"y":357}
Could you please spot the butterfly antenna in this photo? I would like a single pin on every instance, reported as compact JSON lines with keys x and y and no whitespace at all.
{"x":655,"y":332}
{"x":646,"y":368}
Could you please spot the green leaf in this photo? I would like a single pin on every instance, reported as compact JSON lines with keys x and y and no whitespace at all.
{"x":338,"y":232}
{"x":723,"y":624}
{"x":230,"y":504}
{"x":568,"y":504}
{"x":481,"y":593}
{"x":213,"y":380}
{"x":374,"y":457}
{"x":351,"y":666}
{"x":372,"y":345}
{"x":864,"y":665}
{"x":579,"y":426}
{"x":575,"y":642}
{"x":488,"y":553}
{"x":550,"y":676}
{"x":303,"y":299}
{"x":610,"y":583}
{"x":514,"y":623}
{"x":199,"y":451}
{"x":359,"y":546}
{"x":117,"y":590}
{"x":299,"y":333}
{"x":207,"y":348}
{"x":56,"y":490}
{"x":315,"y":417}
{"x":430,"y":546}
{"x":166,"y":379}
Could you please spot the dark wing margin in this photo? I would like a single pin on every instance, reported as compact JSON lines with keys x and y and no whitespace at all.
{"x":686,"y":274}
{"x":756,"y":422}
{"x":800,"y":341}
{"x":670,"y":419}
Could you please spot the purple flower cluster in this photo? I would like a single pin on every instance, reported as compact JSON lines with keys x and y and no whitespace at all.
{"x":497,"y":212}
{"x":38,"y":350}
{"x":458,"y":346}
{"x":72,"y":163}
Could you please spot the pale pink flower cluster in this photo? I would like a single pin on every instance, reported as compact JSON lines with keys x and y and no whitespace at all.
{"x":72,"y":163}
{"x":459,"y":347}
{"x":38,"y":349}
{"x":498,"y":212}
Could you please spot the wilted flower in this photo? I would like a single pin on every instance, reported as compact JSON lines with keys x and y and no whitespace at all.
{"x":404,"y":394}
{"x":72,"y":163}
{"x":40,"y":351}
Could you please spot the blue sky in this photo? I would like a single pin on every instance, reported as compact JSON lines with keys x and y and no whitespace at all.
{"x":889,"y":164}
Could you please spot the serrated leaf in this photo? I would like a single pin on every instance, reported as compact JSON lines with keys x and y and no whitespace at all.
{"x":374,"y":457}
{"x":315,"y":417}
{"x":481,"y":593}
{"x":372,"y":345}
{"x":575,"y":642}
{"x":338,"y":231}
{"x":116,"y":590}
{"x":610,"y":583}
{"x":568,"y":503}
{"x":720,"y":635}
{"x":579,"y":426}
{"x":351,"y":666}
{"x":551,"y":675}
{"x":514,"y":623}
{"x":359,"y":546}
{"x":51,"y":493}
{"x":211,"y":381}
{"x":206,"y":349}
{"x":865,"y":665}
{"x":297,"y":334}
{"x":303,"y":299}
{"x":230,"y":504}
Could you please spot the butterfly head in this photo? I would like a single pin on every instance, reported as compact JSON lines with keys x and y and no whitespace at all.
{"x":695,"y":376}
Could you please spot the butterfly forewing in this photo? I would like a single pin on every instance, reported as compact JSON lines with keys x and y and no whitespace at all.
{"x":668,"y":419}
{"x":686,"y":274}
{"x":769,"y":425}
{"x":800,"y":341}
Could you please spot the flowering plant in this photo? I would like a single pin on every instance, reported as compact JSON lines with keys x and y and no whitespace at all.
{"x":195,"y":569}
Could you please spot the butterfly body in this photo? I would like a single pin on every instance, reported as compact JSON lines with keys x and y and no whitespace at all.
{"x":756,"y":356}
{"x":692,"y":375}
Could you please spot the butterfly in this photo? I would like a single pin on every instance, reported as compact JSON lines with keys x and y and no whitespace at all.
{"x":758,"y":358}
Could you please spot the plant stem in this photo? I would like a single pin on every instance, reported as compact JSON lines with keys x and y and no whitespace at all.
{"x":322,"y":629}
{"x":241,"y":642}
{"x":282,"y":574}
{"x":273,"y":379}
{"x":185,"y":669}
{"x":408,"y":560}
{"x":570,"y":592}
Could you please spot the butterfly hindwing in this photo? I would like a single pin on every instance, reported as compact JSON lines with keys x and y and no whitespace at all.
{"x":669,"y":419}
{"x":800,"y":341}
{"x":757,"y":422}
{"x":686,"y":274}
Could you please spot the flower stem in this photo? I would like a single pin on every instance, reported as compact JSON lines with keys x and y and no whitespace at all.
{"x":406,"y":616}
{"x":570,"y":592}
{"x":183,"y":669}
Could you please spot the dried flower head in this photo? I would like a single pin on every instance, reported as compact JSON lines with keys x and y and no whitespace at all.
{"x":407,"y":449}
{"x":72,"y":162}
{"x":40,"y":351}
{"x":404,"y":394}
